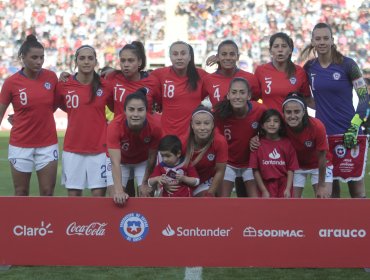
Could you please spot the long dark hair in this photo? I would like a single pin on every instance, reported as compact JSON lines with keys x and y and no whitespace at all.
{"x":336,"y":56}
{"x":191,"y":71}
{"x":190,"y":148}
{"x":138,"y":49}
{"x":290,"y":68}
{"x":223,"y":109}
{"x":96,"y":82}
{"x":265,"y":116}
{"x":30,"y":42}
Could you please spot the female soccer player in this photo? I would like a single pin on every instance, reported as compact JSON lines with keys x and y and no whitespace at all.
{"x":178,"y":90}
{"x":33,"y":138}
{"x":207,"y":151}
{"x":84,"y":97}
{"x":217,"y":84}
{"x":132,"y":141}
{"x":274,"y":162}
{"x":332,"y":78}
{"x":281,"y":75}
{"x":237,"y":119}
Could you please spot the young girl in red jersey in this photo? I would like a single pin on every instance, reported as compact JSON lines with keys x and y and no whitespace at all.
{"x":84,"y":97}
{"x":207,"y":152}
{"x":33,"y":139}
{"x":132,"y":141}
{"x":178,"y":90}
{"x":177,"y":178}
{"x":281,"y":75}
{"x":275,"y":161}
{"x":237,"y":118}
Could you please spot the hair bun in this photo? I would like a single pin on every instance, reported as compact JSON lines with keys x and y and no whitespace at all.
{"x":31,"y":38}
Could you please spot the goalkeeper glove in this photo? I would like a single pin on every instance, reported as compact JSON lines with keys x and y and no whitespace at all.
{"x":350,"y":137}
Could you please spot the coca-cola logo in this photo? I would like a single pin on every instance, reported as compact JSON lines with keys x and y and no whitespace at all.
{"x":93,"y":229}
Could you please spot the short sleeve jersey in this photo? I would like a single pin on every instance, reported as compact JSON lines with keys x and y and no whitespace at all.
{"x":275,"y":85}
{"x":134,"y":146}
{"x":176,"y":99}
{"x":123,"y":87}
{"x":307,"y":143}
{"x":184,"y":190}
{"x":86,"y":130}
{"x":217,"y":85}
{"x":332,"y":88}
{"x":239,"y":131}
{"x":274,"y":158}
{"x":33,"y":103}
{"x":216,"y":153}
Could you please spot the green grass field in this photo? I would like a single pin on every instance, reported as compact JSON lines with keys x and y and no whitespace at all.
{"x":141,"y":273}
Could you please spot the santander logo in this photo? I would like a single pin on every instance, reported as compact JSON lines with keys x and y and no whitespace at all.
{"x":274,"y":154}
{"x":93,"y":229}
{"x":168,"y":231}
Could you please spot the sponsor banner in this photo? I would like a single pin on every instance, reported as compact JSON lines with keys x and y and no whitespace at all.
{"x":227,"y":232}
{"x":349,"y":164}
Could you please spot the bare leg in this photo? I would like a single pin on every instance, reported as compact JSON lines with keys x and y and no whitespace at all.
{"x":74,"y":192}
{"x":357,"y":189}
{"x":98,"y":192}
{"x":226,"y":188}
{"x":297,"y":192}
{"x":47,"y":177}
{"x":251,"y":188}
{"x":336,"y":189}
{"x":21,"y":181}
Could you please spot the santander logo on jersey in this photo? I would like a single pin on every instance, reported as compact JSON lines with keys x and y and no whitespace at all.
{"x":274,"y":156}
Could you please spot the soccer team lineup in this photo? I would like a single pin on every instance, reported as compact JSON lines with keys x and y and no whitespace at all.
{"x":179,"y":131}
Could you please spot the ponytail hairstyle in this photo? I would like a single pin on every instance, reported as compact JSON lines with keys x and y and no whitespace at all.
{"x":298,"y":97}
{"x":265,"y":116}
{"x":140,"y":94}
{"x":290,"y":68}
{"x":191,"y":71}
{"x":138,"y":49}
{"x":190,"y":148}
{"x":223,"y":109}
{"x":336,"y":56}
{"x":30,"y":42}
{"x":225,"y":43}
{"x":96,"y":82}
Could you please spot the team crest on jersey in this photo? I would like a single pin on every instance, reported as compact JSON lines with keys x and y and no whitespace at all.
{"x":293,"y":80}
{"x":308,"y":144}
{"x":47,"y":85}
{"x":340,"y":151}
{"x":210,"y":157}
{"x":99,"y":92}
{"x":254,"y":125}
{"x":146,"y":140}
{"x":336,"y":76}
{"x":355,"y":151}
{"x":125,"y":146}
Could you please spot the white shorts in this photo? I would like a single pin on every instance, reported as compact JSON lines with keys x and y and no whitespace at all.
{"x":83,"y":170}
{"x":26,"y":159}
{"x":128,"y":171}
{"x":300,"y":176}
{"x":232,"y":172}
{"x":203,"y":187}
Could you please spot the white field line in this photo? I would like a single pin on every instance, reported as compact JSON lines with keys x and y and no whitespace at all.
{"x":193,"y":273}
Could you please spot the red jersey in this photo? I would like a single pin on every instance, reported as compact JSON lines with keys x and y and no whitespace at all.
{"x":275,"y":85}
{"x":239,"y":131}
{"x":274,"y":159}
{"x":217,"y":85}
{"x":33,"y":103}
{"x":134,"y":146}
{"x":308,"y":142}
{"x":86,"y":130}
{"x":216,"y":153}
{"x":123,"y":87}
{"x":183,"y":190}
{"x":176,"y":99}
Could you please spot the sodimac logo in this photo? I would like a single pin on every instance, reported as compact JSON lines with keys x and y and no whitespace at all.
{"x":273,"y":233}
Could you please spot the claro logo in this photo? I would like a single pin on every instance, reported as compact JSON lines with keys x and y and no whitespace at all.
{"x":342,"y":233}
{"x":196,"y":232}
{"x":32,"y":231}
{"x":291,"y":233}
